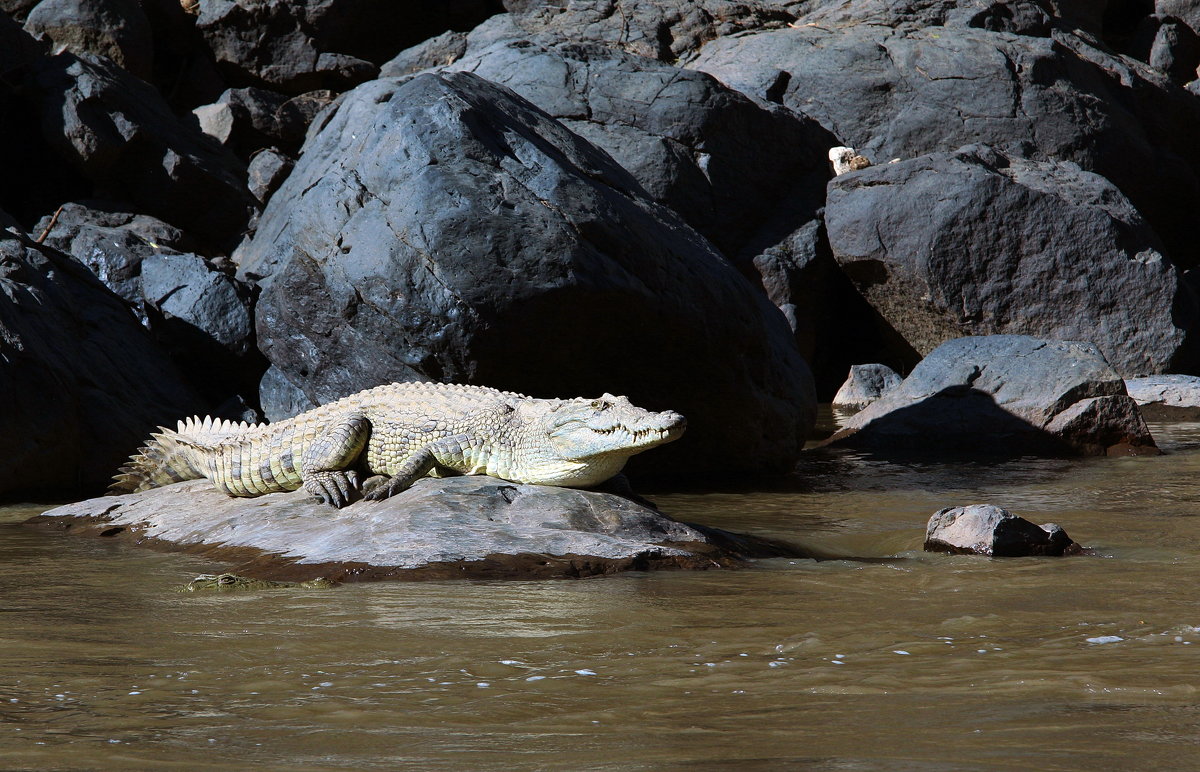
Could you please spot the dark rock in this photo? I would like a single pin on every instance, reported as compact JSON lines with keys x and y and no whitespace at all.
{"x":865,"y":384}
{"x":268,"y":169}
{"x":984,"y":529}
{"x":1175,"y":50}
{"x":666,"y":31}
{"x":83,"y":383}
{"x":445,"y":229}
{"x":117,"y":29}
{"x":897,"y":87}
{"x":295,"y":115}
{"x":17,"y":9}
{"x":462,"y":527}
{"x":1166,"y":397}
{"x":834,"y":326}
{"x":1003,"y":395}
{"x":256,"y":123}
{"x":123,"y":137}
{"x":204,"y":319}
{"x":322,"y":44}
{"x":111,"y":242}
{"x":18,"y":49}
{"x":680,"y":133}
{"x":280,"y":397}
{"x":978,"y":242}
{"x":1187,"y":11}
{"x":184,"y":71}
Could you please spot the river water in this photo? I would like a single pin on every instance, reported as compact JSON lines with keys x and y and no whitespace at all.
{"x":917,"y":662}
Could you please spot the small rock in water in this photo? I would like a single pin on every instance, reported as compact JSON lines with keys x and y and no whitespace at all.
{"x":984,"y":529}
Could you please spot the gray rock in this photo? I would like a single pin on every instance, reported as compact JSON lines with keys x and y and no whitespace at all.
{"x":680,"y":133}
{"x":900,"y":80}
{"x":204,"y":319}
{"x":978,"y":242}
{"x":83,"y":382}
{"x":1166,"y":397}
{"x":652,"y":29}
{"x":112,"y":242}
{"x":268,"y":169}
{"x":117,"y":29}
{"x":1003,"y":395}
{"x":280,"y":397}
{"x":460,"y":527}
{"x":216,"y":120}
{"x":316,"y":44}
{"x":124,"y":138}
{"x":865,"y":384}
{"x":984,"y":529}
{"x":256,"y":119}
{"x":1187,"y":11}
{"x":445,"y":229}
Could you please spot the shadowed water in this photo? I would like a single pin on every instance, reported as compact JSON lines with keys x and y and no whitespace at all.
{"x":923,"y":662}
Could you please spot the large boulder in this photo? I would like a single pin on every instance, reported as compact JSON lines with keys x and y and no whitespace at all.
{"x":462,"y":527}
{"x":1003,"y":395}
{"x":900,"y":80}
{"x":446,"y":229}
{"x":123,"y":137}
{"x":83,"y":382}
{"x":652,"y":29}
{"x":117,"y":29}
{"x":680,"y":133}
{"x":978,"y":242}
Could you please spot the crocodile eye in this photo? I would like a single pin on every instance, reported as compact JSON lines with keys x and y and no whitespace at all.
{"x":599,"y":404}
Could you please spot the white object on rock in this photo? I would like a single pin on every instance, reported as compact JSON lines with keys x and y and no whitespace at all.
{"x":1166,"y":395}
{"x":846,"y":159}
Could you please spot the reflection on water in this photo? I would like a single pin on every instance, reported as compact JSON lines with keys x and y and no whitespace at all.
{"x":919,"y":662}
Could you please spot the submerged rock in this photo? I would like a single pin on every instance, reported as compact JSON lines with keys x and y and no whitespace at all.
{"x":454,"y":527}
{"x":985,"y":529}
{"x":1004,"y":395}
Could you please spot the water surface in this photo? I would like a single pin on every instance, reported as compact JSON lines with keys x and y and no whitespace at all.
{"x":922,"y":662}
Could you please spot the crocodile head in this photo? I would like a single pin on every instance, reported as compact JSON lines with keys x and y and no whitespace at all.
{"x":586,"y":441}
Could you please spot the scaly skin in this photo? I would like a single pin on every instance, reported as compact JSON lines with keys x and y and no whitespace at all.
{"x":406,"y":431}
{"x":235,"y":583}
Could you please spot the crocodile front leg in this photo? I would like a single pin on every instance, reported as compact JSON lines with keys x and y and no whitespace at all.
{"x":446,"y":452}
{"x":324,"y":465}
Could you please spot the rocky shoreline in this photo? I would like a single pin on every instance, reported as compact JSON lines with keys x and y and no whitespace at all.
{"x":250,"y":209}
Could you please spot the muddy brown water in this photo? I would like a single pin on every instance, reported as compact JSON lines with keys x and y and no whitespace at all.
{"x":922,"y":662}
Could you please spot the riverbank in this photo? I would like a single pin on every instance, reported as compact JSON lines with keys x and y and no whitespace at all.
{"x":1055,"y":664}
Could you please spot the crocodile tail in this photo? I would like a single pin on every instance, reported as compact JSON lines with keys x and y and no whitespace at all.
{"x":173,"y":456}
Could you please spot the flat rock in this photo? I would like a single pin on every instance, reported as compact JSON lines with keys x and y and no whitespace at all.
{"x":1000,"y":396}
{"x":1166,"y":397}
{"x":462,"y":527}
{"x":985,"y":529}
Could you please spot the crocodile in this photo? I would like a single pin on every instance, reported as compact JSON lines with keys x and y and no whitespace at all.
{"x":236,"y":583}
{"x":400,"y":432}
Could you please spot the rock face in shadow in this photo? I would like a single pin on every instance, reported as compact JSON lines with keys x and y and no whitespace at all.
{"x":82,"y":381}
{"x":460,"y":527}
{"x":984,"y":529}
{"x":1003,"y":396}
{"x":124,"y":139}
{"x":445,"y":229}
{"x":977,"y":242}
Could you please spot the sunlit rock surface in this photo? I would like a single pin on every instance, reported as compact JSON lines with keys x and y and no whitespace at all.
{"x":455,"y":527}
